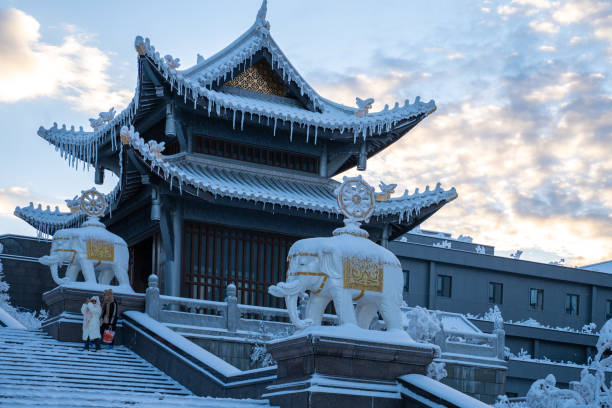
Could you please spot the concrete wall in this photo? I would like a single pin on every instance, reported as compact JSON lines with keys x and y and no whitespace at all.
{"x":27,"y":278}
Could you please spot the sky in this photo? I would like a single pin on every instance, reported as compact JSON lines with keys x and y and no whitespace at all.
{"x":523,"y":128}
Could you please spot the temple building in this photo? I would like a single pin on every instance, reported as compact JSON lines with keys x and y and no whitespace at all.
{"x":229,"y":162}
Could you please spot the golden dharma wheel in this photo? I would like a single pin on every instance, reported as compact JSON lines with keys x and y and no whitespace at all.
{"x":356,"y":198}
{"x":93,"y":203}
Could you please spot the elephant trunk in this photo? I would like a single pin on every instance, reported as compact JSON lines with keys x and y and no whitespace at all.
{"x":53,"y":261}
{"x":291,"y":291}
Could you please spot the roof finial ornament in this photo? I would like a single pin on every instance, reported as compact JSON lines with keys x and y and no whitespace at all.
{"x":262,"y":24}
{"x":364,"y":106}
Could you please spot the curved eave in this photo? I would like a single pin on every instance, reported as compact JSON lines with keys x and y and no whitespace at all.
{"x":47,"y":222}
{"x":376,"y":145}
{"x":81,"y":146}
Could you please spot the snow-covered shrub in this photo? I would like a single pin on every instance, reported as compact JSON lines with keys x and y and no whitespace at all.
{"x":589,"y":328}
{"x":30,"y":320}
{"x":260,"y":356}
{"x":436,"y":370}
{"x":422,"y":324}
{"x":494,"y":315}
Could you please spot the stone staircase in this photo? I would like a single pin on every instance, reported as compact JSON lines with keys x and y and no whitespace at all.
{"x":37,"y":370}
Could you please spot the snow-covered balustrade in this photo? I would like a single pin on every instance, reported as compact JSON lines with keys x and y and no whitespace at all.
{"x":457,"y":337}
{"x":472,"y":344}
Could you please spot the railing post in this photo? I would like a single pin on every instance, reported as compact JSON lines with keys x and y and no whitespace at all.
{"x":232,"y":313}
{"x":440,"y":340}
{"x":501,"y":343}
{"x":152,"y":303}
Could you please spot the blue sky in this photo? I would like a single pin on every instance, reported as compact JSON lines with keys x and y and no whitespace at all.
{"x":523,"y":127}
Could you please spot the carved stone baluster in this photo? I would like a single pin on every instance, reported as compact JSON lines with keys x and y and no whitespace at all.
{"x":152,"y":302}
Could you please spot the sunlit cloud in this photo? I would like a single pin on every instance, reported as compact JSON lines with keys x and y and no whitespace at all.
{"x":525,"y":142}
{"x":544,"y":27}
{"x":72,"y":70}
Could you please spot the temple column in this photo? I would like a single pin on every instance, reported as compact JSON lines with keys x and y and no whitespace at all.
{"x":323,"y":161}
{"x":174,"y":276}
{"x":171,"y":228}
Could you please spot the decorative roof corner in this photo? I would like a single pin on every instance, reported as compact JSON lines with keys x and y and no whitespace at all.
{"x":47,"y":222}
{"x":261,"y":24}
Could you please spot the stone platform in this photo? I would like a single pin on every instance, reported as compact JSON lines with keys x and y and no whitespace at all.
{"x":64,"y":308}
{"x":319,"y":368}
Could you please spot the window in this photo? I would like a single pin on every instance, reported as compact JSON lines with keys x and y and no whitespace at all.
{"x":608,"y":309}
{"x":496,"y":293}
{"x":443,"y":285}
{"x":536,"y":299}
{"x":406,"y":281}
{"x":571,"y":304}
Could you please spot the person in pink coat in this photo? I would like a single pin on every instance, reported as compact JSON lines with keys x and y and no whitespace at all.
{"x":91,"y":310}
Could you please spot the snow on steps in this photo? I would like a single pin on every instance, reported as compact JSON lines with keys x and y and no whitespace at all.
{"x":38,"y":370}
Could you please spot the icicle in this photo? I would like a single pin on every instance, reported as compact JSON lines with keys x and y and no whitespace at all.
{"x":316,"y":130}
{"x":307,"y":132}
{"x":209,"y":105}
{"x":234,"y":120}
{"x":291,"y":133}
{"x":274,"y":133}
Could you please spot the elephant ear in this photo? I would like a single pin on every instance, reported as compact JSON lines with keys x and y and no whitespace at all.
{"x":331,"y":263}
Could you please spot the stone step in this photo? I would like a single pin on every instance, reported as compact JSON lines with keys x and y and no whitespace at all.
{"x":100,"y":386}
{"x":56,"y":397}
{"x":25,"y":367}
{"x":91,"y":375}
{"x":89,"y":356}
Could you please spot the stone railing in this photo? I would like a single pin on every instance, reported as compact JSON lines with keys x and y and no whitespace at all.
{"x":231,"y":316}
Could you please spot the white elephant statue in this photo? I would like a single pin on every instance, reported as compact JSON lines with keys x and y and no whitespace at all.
{"x":88,"y":249}
{"x":346,"y":269}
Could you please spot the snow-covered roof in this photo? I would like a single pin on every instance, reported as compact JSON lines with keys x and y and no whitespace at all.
{"x":198,"y":81}
{"x":605,"y":267}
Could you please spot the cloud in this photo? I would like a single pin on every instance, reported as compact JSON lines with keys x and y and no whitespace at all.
{"x":524,"y":139}
{"x":544,"y":27}
{"x":72,"y":70}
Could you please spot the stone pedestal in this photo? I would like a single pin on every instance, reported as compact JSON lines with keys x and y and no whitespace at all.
{"x":64,"y":307}
{"x":319,"y":370}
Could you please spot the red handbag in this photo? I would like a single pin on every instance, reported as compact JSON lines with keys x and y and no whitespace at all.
{"x":108,"y":336}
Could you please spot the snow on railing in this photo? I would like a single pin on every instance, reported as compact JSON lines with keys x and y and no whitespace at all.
{"x":466,"y":339}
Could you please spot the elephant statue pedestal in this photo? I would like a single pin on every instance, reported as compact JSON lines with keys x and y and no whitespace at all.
{"x":321,"y":367}
{"x":64,"y":307}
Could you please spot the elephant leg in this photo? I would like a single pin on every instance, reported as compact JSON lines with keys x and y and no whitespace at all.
{"x":72,"y":271}
{"x":316,"y":307}
{"x":106,"y":275}
{"x":392,"y":314}
{"x":365,"y":314}
{"x":121,"y":275}
{"x":88,"y":271}
{"x":343,"y":302}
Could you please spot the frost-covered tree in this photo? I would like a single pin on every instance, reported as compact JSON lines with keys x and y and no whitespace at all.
{"x":422,"y":324}
{"x":591,"y":391}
